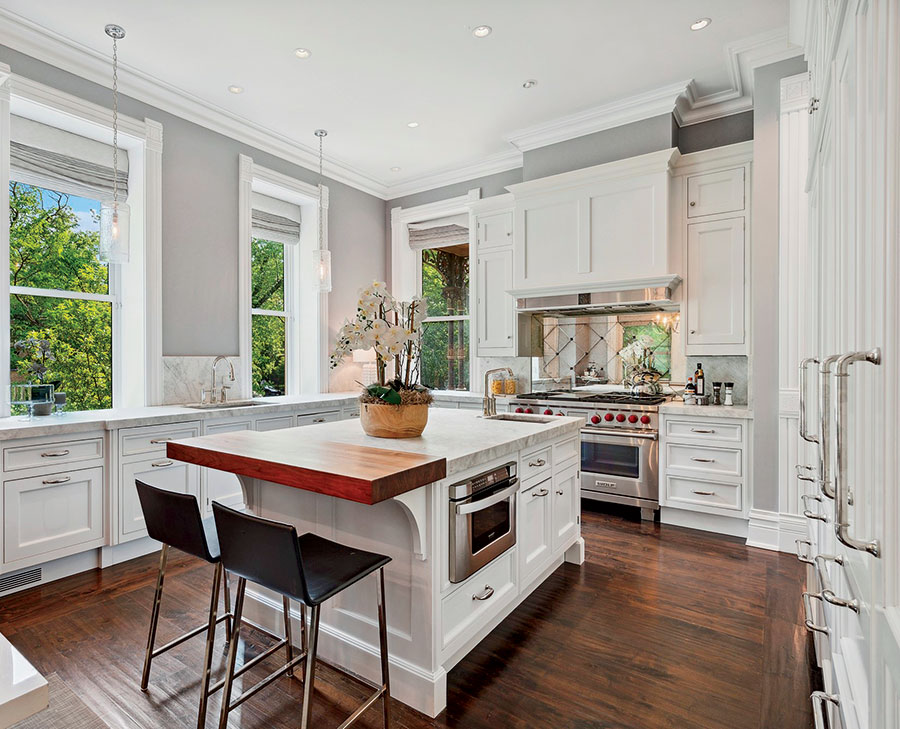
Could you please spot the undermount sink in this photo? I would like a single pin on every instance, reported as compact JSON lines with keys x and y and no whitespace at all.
{"x":223,"y":405}
{"x":521,"y":418}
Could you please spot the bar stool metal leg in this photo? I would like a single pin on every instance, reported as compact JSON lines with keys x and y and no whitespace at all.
{"x":154,"y":617}
{"x":210,"y":642}
{"x":310,"y":667}
{"x":232,"y":653}
{"x":228,"y":621}
{"x":288,"y":646}
{"x":303,"y":642}
{"x":385,"y":662}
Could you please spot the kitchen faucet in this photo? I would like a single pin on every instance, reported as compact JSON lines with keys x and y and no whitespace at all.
{"x":212,"y":390}
{"x":489,"y":404}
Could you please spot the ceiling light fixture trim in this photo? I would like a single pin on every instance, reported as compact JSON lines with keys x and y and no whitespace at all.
{"x":529,"y":84}
{"x":302,"y":52}
{"x":234,"y":89}
{"x":482,"y":31}
{"x":700,"y":23}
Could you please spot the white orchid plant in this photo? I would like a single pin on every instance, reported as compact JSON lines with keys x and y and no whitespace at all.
{"x":393,"y":329}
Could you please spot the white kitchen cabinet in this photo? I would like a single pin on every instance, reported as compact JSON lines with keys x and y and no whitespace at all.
{"x":159,"y":471}
{"x":566,"y":506}
{"x":495,"y":307}
{"x":716,"y":287}
{"x":494,"y":230}
{"x":222,"y":486}
{"x":275,"y":423}
{"x":52,"y":515}
{"x":329,"y":416}
{"x":535,"y":529}
{"x":716,"y":192}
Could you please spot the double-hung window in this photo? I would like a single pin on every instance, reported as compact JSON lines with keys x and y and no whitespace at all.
{"x":444,"y":276}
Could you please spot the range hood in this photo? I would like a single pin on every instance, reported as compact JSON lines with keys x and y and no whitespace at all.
{"x":610,"y":299}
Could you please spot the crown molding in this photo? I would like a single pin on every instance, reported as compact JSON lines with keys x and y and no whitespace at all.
{"x":502,"y":162}
{"x":596,"y":119}
{"x":742,"y":58}
{"x":45,"y":45}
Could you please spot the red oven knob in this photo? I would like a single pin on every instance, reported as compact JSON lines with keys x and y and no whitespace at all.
{"x":620,"y":417}
{"x":595,"y":419}
{"x":632,"y":418}
{"x":548,"y":411}
{"x":608,"y":417}
{"x":519,"y":410}
{"x":560,"y":413}
{"x":529,"y":411}
{"x":645,"y":419}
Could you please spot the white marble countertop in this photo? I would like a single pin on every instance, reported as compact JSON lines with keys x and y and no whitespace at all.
{"x":463,"y":437}
{"x":677,"y":407}
{"x":92,"y":420}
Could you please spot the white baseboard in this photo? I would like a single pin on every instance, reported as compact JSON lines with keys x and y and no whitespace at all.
{"x":775,"y":531}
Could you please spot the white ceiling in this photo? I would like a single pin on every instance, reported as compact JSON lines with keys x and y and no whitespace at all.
{"x":377,"y":65}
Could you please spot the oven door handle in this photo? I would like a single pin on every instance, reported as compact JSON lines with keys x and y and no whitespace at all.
{"x":621,"y":433}
{"x":474,"y":506}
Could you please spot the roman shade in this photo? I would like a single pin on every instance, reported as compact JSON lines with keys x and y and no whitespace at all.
{"x":275,"y":220}
{"x":439,"y":233}
{"x":52,"y":158}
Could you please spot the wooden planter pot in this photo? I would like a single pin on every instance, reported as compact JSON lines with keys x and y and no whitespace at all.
{"x":393,"y":421}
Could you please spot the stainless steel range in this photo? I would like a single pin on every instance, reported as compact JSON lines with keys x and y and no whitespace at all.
{"x":619,"y":443}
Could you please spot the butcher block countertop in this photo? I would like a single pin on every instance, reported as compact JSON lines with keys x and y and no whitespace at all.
{"x":340,"y":460}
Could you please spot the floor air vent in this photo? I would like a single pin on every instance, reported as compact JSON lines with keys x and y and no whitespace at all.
{"x":20,"y":579}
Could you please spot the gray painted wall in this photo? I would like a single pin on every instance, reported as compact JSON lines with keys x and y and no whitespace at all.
{"x":715,"y":133}
{"x":200,"y":222}
{"x":764,"y":280}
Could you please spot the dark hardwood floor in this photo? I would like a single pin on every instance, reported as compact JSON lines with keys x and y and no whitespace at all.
{"x":661,"y":627}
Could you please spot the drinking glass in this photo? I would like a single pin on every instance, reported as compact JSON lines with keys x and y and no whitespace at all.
{"x":22,"y":395}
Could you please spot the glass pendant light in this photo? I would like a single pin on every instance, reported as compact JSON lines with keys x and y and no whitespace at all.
{"x":322,"y":256}
{"x":115,"y":214}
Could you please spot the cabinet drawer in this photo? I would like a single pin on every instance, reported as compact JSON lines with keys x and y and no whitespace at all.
{"x":697,"y":430}
{"x":565,"y":451}
{"x":283,"y":421}
{"x":52,"y":454}
{"x":153,"y":439}
{"x":716,"y":192}
{"x":163,"y":473}
{"x":314,"y":418}
{"x":480,"y":597}
{"x":704,"y":459}
{"x":536,"y":463}
{"x":703,"y":493}
{"x":52,"y":516}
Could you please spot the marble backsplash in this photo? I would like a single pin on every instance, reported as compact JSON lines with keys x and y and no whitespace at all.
{"x":185,"y":377}
{"x":725,"y":368}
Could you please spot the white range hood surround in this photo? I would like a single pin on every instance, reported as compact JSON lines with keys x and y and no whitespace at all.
{"x":601,"y":228}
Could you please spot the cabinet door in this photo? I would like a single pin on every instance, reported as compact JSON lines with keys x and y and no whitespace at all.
{"x":47,"y":517}
{"x":566,"y":507}
{"x":716,"y":192}
{"x":535,"y":527}
{"x":496,"y":308}
{"x":277,"y":423}
{"x":494,"y":230}
{"x":222,"y":486}
{"x":162,"y":472}
{"x":715,"y":285}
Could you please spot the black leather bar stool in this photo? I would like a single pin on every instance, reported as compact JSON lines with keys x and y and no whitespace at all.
{"x":174,"y":519}
{"x":307,"y":568}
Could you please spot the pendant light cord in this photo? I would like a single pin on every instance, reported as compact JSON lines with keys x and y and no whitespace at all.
{"x":320,"y":133}
{"x":115,"y":122}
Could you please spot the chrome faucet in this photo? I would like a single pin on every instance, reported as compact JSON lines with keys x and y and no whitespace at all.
{"x":489,"y":404}
{"x":220,"y":397}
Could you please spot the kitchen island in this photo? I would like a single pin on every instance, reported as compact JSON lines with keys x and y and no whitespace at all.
{"x":393,"y":497}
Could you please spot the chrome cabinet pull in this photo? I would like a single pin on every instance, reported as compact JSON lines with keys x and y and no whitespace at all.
{"x":704,"y":493}
{"x":807,"y":610}
{"x":818,"y":699}
{"x":812,"y":515}
{"x":804,"y":556}
{"x":810,"y":497}
{"x":703,"y":460}
{"x":158,"y":441}
{"x":560,"y":492}
{"x":541,"y":492}
{"x":537,"y":463}
{"x":485,"y":594}
{"x":843,"y":500}
{"x":827,"y":591}
{"x":318,"y":420}
{"x":804,"y":433}
{"x":55,"y":454}
{"x":161,"y":464}
{"x":51,"y":481}
{"x":702,"y":430}
{"x":825,"y":424}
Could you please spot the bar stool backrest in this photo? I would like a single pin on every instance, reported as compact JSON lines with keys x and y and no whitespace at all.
{"x":262,"y":551}
{"x":174,"y":519}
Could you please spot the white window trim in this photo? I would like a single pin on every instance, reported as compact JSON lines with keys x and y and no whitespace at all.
{"x":142,"y":284}
{"x":306,"y":308}
{"x":406,"y":263}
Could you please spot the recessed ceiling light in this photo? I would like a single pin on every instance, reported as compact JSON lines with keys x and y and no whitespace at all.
{"x":236,"y":89}
{"x":529,"y":84}
{"x":700,"y":23}
{"x":395,"y":169}
{"x":482,"y":31}
{"x":302,"y":52}
{"x":412,"y":125}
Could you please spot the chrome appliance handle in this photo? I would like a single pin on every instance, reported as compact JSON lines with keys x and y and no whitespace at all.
{"x":842,"y":516}
{"x":804,"y":386}
{"x":825,"y":581}
{"x":811,"y":497}
{"x":490,"y":500}
{"x":818,"y":699}
{"x":811,"y":515}
{"x":799,"y":469}
{"x":804,"y":556}
{"x":620,"y":432}
{"x":825,"y":424}
{"x":811,"y":626}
